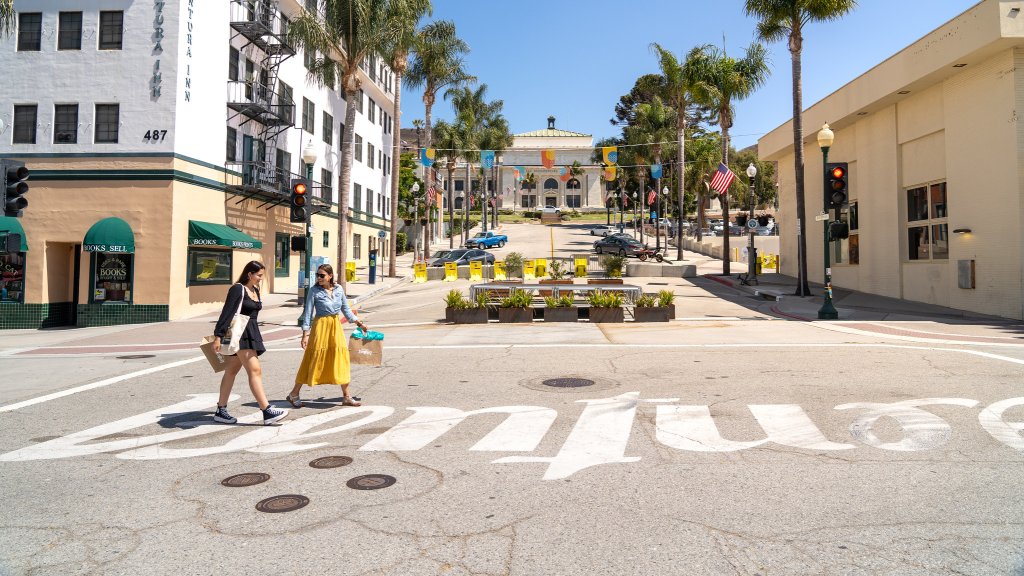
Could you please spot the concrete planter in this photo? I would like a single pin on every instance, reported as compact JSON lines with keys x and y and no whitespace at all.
{"x":607,"y":315}
{"x":470,"y":316}
{"x":515,"y":315}
{"x":655,"y":314}
{"x":561,"y":314}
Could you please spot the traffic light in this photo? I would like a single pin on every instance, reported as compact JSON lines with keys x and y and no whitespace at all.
{"x":300,"y":190}
{"x":15,"y":187}
{"x":838,"y":184}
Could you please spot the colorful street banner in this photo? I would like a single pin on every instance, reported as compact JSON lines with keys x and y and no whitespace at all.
{"x":522,"y":172}
{"x":655,"y":171}
{"x":547,"y":158}
{"x":487,"y":159}
{"x":451,"y":271}
{"x":563,"y":173}
{"x":427,"y":156}
{"x":610,"y":154}
{"x":609,"y":173}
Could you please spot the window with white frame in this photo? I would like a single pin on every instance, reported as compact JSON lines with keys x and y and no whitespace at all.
{"x":927,"y":222}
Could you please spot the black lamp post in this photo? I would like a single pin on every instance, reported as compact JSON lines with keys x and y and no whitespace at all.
{"x":416,"y":220}
{"x":751,"y":250}
{"x":825,"y":139}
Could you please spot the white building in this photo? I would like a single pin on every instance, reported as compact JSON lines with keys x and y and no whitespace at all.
{"x":183,"y":120}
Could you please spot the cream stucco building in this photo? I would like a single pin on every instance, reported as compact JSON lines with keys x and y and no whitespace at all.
{"x":935,"y":148}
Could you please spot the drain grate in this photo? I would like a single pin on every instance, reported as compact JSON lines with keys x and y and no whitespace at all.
{"x":283,"y":503}
{"x":331,"y":462}
{"x":568,"y":382}
{"x":245,"y":479}
{"x":371,"y":482}
{"x":136,"y":356}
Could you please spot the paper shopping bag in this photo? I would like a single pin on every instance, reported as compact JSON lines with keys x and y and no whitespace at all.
{"x":366,"y":352}
{"x":217,"y":361}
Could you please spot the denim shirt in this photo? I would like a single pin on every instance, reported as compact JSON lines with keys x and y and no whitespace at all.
{"x":326,"y":305}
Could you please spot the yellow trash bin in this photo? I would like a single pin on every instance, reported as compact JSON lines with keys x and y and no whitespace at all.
{"x":581,"y":267}
{"x":350,"y":271}
{"x":540,"y":266}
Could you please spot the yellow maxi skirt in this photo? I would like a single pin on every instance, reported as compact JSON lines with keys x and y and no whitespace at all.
{"x":326,"y":359}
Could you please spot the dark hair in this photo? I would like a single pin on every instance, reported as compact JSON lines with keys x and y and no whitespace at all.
{"x":252,"y":267}
{"x":330,"y":271}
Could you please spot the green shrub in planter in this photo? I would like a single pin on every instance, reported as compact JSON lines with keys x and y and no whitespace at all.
{"x":514,"y":265}
{"x":516,"y":307}
{"x":461,"y":310}
{"x":455,"y":300}
{"x":602,"y":299}
{"x":517,"y":298}
{"x":564,"y":301}
{"x":666,"y":298}
{"x":647,"y":301}
{"x":560,"y":309}
{"x":557,"y":270}
{"x":612,"y":265}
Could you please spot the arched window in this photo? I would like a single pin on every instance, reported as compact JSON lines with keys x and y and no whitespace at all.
{"x":572,"y":184}
{"x":551,"y":184}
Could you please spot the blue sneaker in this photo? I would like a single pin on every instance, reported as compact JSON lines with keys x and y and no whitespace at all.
{"x":222,"y":416}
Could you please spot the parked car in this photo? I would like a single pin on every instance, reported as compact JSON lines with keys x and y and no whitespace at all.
{"x":550,"y":210}
{"x":486,"y":240}
{"x":623,"y":245}
{"x":603,"y":230}
{"x":461,"y":257}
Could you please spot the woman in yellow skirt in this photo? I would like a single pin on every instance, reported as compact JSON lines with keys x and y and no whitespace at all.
{"x":325,"y":360}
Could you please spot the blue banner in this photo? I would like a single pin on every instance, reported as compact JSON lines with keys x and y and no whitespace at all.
{"x":487,"y":159}
{"x":655,"y":171}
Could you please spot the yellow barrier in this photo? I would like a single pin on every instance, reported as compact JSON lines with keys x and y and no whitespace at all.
{"x":529,"y":272}
{"x":581,"y":267}
{"x":476,"y":271}
{"x":451,"y":271}
{"x":420,"y":274}
{"x":350,"y":271}
{"x":540,"y":266}
{"x":499,"y":270}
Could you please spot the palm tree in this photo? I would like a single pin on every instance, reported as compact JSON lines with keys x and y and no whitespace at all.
{"x":575,"y":171}
{"x":437,"y":64}
{"x":721,"y":80}
{"x":396,"y":50}
{"x":679,"y":84}
{"x":703,"y":156}
{"x":345,"y":32}
{"x":497,"y":137}
{"x":785,"y":19}
{"x":653,"y":123}
{"x":529,"y":183}
{"x":6,"y":17}
{"x":474,"y":115}
{"x":449,"y":143}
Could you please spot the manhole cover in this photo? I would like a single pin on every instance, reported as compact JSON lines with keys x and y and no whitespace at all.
{"x":283,"y":503}
{"x":371,"y":482}
{"x":568,"y":382}
{"x":246,"y":479}
{"x":331,"y":462}
{"x":136,"y":356}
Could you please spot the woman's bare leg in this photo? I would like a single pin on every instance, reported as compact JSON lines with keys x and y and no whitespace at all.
{"x":228,"y":379}
{"x":251,"y":363}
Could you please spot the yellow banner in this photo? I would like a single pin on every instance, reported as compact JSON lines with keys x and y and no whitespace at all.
{"x":420,"y":273}
{"x":547,"y":158}
{"x":540,"y":267}
{"x":529,"y":270}
{"x":451,"y":271}
{"x":476,"y":271}
{"x":581,"y":267}
{"x":610,"y":154}
{"x":499,"y":270}
{"x":609,"y":173}
{"x":350,"y":271}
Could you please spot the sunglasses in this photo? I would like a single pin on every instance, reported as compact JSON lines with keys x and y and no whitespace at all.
{"x":321,"y":275}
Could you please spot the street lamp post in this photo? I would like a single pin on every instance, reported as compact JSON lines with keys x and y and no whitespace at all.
{"x":661,"y":216}
{"x":634,"y":213}
{"x":416,"y":219}
{"x":309,"y":157}
{"x":751,"y":250}
{"x":825,"y":139}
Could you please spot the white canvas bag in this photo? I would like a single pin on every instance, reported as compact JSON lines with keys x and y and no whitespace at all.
{"x":238,"y":323}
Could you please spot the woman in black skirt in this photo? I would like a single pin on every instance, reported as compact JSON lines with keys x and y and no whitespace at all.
{"x":246,"y":292}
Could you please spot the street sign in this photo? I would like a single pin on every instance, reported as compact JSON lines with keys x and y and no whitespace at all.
{"x":381,"y":234}
{"x":821,"y":218}
{"x":751,"y":223}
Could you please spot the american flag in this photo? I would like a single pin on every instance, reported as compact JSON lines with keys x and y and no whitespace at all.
{"x":651,"y":196}
{"x":431,"y":195}
{"x":723,"y":177}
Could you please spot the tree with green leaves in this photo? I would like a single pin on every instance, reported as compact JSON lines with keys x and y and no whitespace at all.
{"x":719,"y":80}
{"x":396,"y":49}
{"x":529,"y":183}
{"x":448,"y":141}
{"x":438,"y":62}
{"x":575,"y":172}
{"x":653,"y":124}
{"x":785,"y":19}
{"x":349,"y":30}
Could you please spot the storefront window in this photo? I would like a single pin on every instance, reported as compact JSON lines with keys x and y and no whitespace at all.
{"x":282,"y":251}
{"x":928,"y":229}
{"x":112,"y":278}
{"x":209,"y":266}
{"x":12,"y":276}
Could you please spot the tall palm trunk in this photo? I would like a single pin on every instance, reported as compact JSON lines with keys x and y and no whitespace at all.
{"x":427,"y":209}
{"x":451,"y":205}
{"x":681,"y":157}
{"x":346,"y":183}
{"x":396,"y":157}
{"x":803,"y":287}
{"x":428,"y":105}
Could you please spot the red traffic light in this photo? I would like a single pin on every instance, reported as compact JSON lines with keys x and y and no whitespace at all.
{"x":299,"y":188}
{"x":838,"y":172}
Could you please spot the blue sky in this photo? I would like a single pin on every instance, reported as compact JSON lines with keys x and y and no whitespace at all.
{"x":574,"y":59}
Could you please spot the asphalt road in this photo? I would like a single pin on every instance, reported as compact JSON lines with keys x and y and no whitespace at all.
{"x":727,"y":442}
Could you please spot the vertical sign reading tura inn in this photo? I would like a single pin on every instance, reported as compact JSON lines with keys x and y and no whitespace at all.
{"x":158,"y":49}
{"x":188,"y":50}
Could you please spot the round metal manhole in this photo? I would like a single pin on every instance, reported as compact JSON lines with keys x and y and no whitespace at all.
{"x":371,"y":482}
{"x":283,"y":503}
{"x":567,"y":382}
{"x":136,"y":356}
{"x":246,"y":479}
{"x":330,"y":462}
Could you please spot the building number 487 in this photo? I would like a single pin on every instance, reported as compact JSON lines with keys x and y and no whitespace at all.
{"x":155,"y":135}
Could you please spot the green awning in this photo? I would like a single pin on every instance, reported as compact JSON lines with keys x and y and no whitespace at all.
{"x":11,"y":225}
{"x":110,"y":235}
{"x":210,"y":234}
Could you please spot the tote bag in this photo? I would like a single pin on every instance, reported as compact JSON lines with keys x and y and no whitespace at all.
{"x":238,"y":323}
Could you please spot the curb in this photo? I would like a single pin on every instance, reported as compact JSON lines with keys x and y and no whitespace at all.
{"x":359,"y":299}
